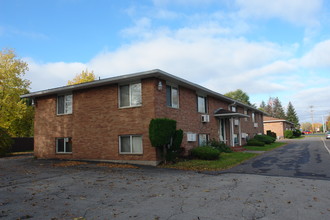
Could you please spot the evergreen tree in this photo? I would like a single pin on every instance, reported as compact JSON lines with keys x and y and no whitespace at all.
{"x":291,"y":115}
{"x":278,"y":111}
{"x":269,"y":107}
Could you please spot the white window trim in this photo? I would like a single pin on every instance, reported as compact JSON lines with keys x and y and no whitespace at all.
{"x":130,"y":97}
{"x":131,"y":148}
{"x":177,"y":88}
{"x":207,"y":139}
{"x":205,"y":104}
{"x":56,"y":141}
{"x":64,"y":113}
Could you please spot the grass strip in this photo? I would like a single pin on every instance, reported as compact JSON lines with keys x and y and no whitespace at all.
{"x":267,"y":147}
{"x":227,"y":160}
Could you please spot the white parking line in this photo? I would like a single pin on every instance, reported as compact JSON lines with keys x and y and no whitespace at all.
{"x":325,"y":145}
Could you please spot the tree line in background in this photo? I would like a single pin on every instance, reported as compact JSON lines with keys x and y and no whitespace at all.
{"x":273,"y":108}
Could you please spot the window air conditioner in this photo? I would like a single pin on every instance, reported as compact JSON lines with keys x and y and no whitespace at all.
{"x":191,"y":137}
{"x":205,"y":118}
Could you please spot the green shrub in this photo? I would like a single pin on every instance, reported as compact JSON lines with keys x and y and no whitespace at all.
{"x":255,"y":142}
{"x":161,"y":131}
{"x":177,"y":138}
{"x":288,"y":134}
{"x":272,"y":134}
{"x":296,"y":133}
{"x":5,"y":142}
{"x":205,"y":153}
{"x":175,"y":150}
{"x":220,"y":146}
{"x":264,"y":138}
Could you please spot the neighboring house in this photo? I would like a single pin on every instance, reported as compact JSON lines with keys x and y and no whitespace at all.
{"x":109,"y":119}
{"x":277,"y":125}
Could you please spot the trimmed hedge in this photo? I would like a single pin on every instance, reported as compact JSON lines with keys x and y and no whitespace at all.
{"x":265,"y":138}
{"x":255,"y":142}
{"x":205,"y":153}
{"x":5,"y":142}
{"x":161,"y":130}
{"x":272,"y":134}
{"x":288,"y":134}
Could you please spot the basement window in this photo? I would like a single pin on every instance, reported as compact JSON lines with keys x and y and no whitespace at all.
{"x":130,"y":144}
{"x":63,"y":145}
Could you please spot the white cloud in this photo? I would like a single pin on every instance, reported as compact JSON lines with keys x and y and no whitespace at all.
{"x":50,"y":75}
{"x":319,"y":56}
{"x":316,"y":97}
{"x":260,"y":69}
{"x":299,"y":12}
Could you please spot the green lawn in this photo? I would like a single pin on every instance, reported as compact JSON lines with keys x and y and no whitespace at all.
{"x":226,"y":161}
{"x":267,"y":147}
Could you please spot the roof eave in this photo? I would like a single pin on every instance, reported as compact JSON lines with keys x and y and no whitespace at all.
{"x":134,"y":76}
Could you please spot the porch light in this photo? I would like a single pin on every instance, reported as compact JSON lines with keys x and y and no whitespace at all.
{"x":33,"y":102}
{"x":160,"y":86}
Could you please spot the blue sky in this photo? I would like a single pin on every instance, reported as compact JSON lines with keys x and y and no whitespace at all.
{"x":266,"y":48}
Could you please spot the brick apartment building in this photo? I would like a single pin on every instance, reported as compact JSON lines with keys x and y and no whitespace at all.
{"x":277,"y":125}
{"x":109,"y":119}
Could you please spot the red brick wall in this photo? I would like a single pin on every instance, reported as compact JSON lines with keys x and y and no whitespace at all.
{"x":278,"y":127}
{"x":247,"y":125}
{"x":95,"y":124}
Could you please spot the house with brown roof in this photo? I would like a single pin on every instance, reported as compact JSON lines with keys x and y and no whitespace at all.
{"x":277,"y":125}
{"x":108,"y":119}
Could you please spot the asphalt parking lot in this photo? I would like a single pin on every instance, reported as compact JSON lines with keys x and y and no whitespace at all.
{"x":47,"y":189}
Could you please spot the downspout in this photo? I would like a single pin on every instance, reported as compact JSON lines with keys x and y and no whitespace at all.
{"x":232,"y":141}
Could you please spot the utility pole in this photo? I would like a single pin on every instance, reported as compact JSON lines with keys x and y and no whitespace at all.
{"x":312,"y":116}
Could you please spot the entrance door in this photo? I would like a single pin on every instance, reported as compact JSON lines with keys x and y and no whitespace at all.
{"x":222,"y":127}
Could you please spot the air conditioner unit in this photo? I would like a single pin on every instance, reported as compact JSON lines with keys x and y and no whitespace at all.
{"x":255,"y":125}
{"x":236,"y":122}
{"x":244,"y":135}
{"x":191,"y":137}
{"x":205,"y":118}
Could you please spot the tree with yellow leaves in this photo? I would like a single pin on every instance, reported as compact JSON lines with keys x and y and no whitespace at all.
{"x":83,"y":77}
{"x":16,"y":115}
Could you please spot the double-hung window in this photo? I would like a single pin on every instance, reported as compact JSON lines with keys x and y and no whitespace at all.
{"x":130,"y":144}
{"x":253,"y":117}
{"x":203,"y":139}
{"x":63,"y":145}
{"x":130,"y":95}
{"x":201,"y":104}
{"x":64,"y":104}
{"x":172,"y":96}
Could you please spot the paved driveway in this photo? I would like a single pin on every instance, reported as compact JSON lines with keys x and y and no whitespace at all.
{"x":305,"y":158}
{"x":36,"y":189}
